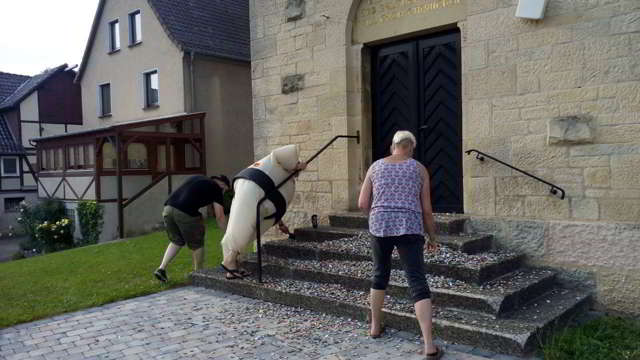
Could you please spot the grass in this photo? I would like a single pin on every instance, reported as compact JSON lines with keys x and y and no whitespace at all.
{"x":602,"y":339}
{"x":80,"y":278}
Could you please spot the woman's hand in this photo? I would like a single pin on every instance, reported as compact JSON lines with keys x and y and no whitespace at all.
{"x":283,"y":228}
{"x":431,"y":245}
{"x":301,"y":165}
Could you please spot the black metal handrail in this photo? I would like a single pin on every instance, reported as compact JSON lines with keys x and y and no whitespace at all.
{"x":258,"y":240}
{"x":554,"y":188}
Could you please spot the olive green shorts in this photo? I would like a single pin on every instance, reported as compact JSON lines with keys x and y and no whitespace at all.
{"x":183,"y":228}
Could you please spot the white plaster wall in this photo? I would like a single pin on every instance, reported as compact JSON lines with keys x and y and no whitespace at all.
{"x":29,"y":108}
{"x":123,"y":69}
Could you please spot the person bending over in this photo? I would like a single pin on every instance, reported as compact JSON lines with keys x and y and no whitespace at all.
{"x":183,"y":221}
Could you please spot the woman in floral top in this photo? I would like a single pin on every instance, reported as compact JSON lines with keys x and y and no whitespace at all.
{"x":396,"y":196}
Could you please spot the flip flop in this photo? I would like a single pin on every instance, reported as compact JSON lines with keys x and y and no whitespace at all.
{"x":244,"y":272}
{"x":433,"y":356}
{"x":235,"y":274}
{"x":378,"y":335}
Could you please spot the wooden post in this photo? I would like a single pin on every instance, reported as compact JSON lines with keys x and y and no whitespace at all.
{"x":203,"y":146}
{"x":167,"y":155}
{"x":97,"y":165}
{"x":119,"y":180}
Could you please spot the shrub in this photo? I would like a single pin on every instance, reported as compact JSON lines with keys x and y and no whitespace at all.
{"x":55,"y":236}
{"x":90,"y":216}
{"x":50,"y":211}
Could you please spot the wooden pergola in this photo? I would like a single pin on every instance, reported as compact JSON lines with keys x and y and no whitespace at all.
{"x":82,"y":154}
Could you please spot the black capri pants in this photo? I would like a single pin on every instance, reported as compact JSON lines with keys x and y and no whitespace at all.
{"x":410,"y":249}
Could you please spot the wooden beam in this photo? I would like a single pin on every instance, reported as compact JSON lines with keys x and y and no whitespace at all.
{"x":151,"y":134}
{"x":71,"y":187}
{"x":119,"y":181}
{"x":93,"y":179}
{"x":144,"y":190}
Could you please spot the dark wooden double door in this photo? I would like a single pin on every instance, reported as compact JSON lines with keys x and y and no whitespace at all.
{"x":417,"y":87}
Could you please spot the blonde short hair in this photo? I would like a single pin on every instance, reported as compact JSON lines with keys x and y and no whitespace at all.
{"x":404,"y":137}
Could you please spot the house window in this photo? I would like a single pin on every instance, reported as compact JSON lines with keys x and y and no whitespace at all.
{"x":151,"y":89}
{"x":137,"y":156}
{"x":104,"y":95}
{"x":135,"y":28}
{"x":9,"y":166}
{"x":12,"y":204}
{"x":114,"y":36}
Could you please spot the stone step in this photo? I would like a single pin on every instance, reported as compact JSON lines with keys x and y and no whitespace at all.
{"x":496,"y":298}
{"x":466,"y":243}
{"x":476,"y":268}
{"x":445,"y":223}
{"x":517,"y":335}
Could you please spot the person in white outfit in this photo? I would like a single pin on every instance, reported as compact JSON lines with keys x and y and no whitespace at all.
{"x":251,"y":185}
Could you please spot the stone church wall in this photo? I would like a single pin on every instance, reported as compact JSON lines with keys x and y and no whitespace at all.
{"x":558,"y":97}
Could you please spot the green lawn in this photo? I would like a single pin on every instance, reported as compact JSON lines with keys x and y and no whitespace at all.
{"x":602,"y":339}
{"x":80,"y":278}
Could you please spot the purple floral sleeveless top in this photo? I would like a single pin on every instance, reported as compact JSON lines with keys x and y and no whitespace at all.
{"x":395,"y":207}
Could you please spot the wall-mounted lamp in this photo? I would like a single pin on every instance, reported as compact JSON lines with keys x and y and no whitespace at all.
{"x":531,"y":9}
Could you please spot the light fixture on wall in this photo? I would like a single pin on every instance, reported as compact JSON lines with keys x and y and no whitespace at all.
{"x":531,"y":9}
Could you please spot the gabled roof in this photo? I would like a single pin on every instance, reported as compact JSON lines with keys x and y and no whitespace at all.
{"x":210,"y":27}
{"x":29,"y":86}
{"x":218,"y":28}
{"x":8,"y":145}
{"x":9,"y":83}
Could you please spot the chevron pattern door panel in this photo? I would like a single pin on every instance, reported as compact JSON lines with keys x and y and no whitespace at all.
{"x":440,"y":117}
{"x":395,"y":94}
{"x":417,"y":87}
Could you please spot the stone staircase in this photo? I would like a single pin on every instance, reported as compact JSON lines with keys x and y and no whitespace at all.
{"x":482,"y":297}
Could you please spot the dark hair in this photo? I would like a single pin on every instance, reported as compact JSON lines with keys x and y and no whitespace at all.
{"x":222,"y":178}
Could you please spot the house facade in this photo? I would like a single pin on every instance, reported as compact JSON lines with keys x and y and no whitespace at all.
{"x":46,"y":104}
{"x":157,"y":63}
{"x":556,"y":97}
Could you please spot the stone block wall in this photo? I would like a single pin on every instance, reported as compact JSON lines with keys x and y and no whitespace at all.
{"x":558,"y":97}
{"x":520,"y":76}
{"x":299,"y":70}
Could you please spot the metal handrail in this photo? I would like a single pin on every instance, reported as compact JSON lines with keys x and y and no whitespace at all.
{"x":554,"y":188}
{"x":258,"y":239}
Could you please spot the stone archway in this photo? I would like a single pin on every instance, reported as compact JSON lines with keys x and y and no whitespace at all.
{"x":373,"y":22}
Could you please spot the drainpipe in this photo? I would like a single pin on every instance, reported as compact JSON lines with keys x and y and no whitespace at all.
{"x":193,"y":81}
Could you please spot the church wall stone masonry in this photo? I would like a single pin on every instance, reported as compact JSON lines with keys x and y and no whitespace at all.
{"x":558,"y":97}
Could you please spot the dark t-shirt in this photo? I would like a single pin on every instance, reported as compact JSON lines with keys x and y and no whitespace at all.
{"x":198,"y":191}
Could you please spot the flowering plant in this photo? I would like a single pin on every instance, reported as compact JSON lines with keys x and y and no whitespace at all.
{"x":33,"y":215}
{"x":55,"y":236}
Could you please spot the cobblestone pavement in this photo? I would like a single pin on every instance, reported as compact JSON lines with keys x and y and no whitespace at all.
{"x":198,"y":323}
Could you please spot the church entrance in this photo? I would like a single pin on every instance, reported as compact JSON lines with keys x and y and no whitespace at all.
{"x":416,"y":86}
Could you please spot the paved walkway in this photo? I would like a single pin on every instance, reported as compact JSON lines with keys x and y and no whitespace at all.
{"x":198,"y":323}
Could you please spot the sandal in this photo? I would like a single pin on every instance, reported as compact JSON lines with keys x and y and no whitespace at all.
{"x":244,"y":272}
{"x":433,"y":356}
{"x":378,"y":335}
{"x":231,"y":274}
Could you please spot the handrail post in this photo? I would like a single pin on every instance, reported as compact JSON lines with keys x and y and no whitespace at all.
{"x":258,"y":237}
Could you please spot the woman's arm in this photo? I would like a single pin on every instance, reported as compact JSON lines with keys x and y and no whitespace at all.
{"x":427,"y":212}
{"x":364,"y":201}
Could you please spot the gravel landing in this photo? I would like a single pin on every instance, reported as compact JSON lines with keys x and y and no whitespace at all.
{"x":507,"y":284}
{"x":360,"y":245}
